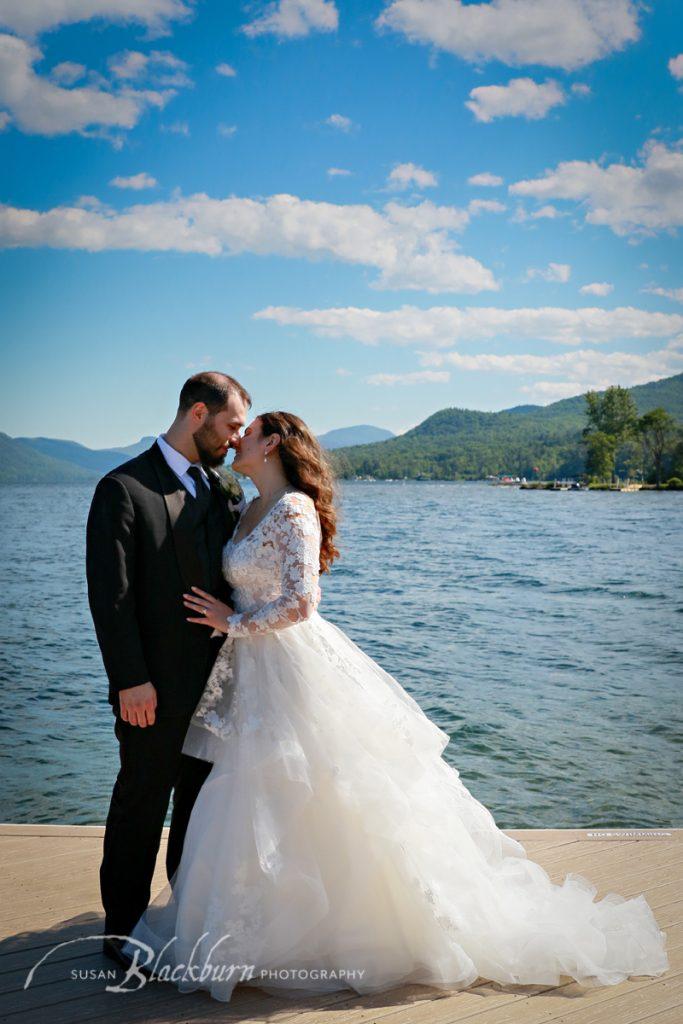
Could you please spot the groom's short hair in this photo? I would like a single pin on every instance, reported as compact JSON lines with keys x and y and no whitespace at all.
{"x":213,"y":389}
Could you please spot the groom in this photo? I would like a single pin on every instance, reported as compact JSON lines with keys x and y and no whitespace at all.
{"x":157,"y":527}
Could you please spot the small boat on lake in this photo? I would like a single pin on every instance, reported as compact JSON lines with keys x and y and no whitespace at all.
{"x":507,"y":481}
{"x":568,"y":485}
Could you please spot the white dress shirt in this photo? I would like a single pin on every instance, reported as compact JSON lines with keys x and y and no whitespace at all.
{"x":180,"y":465}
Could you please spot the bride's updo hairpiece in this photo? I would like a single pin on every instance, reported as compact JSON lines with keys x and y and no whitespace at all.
{"x":307,"y":468}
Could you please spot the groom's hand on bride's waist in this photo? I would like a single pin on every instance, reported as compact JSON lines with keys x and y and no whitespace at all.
{"x":138,"y":704}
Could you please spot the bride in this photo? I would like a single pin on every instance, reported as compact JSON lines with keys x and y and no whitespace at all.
{"x":331,"y":846}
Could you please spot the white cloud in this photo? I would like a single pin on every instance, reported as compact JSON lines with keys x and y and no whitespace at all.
{"x":67,"y":72}
{"x":344,"y":124}
{"x":92,"y":203}
{"x":41,"y":107}
{"x":597,"y":288}
{"x":583,"y":368}
{"x":4,"y":120}
{"x":553,"y":272}
{"x":338,"y":172}
{"x":426,"y":217}
{"x":404,"y":175}
{"x":627,"y":199}
{"x":135,"y":181}
{"x":30,"y":17}
{"x":547,"y":212}
{"x":553,"y":33}
{"x":128,"y":64}
{"x":341,"y":372}
{"x":485,"y":179}
{"x":176,"y":128}
{"x":668,"y":293}
{"x":581,"y":89}
{"x":675,"y":66}
{"x":433,"y":333}
{"x":411,"y":246}
{"x":441,"y":327}
{"x":227,"y":70}
{"x":416,"y":377}
{"x":227,"y":130}
{"x":159,"y":66}
{"x":521,"y":97}
{"x":476,"y":206}
{"x":292,"y":19}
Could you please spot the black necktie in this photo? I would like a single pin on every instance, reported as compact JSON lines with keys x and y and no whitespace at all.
{"x":202,"y":494}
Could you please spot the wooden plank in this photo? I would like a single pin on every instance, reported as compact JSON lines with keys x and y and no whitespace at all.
{"x":69,"y":831}
{"x":582,"y":857}
{"x":671,"y":1016}
{"x":19,"y":953}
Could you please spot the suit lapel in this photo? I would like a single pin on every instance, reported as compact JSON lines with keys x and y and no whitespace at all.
{"x":178,"y":501}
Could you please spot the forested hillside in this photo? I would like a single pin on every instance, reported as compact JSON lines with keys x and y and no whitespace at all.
{"x":464,"y":444}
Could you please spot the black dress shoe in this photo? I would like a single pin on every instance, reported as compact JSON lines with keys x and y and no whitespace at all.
{"x":113,"y":948}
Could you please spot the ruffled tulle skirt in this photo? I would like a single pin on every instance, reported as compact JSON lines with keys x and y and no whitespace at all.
{"x":332,"y":847}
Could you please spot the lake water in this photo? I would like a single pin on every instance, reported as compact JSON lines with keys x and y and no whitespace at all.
{"x":541,"y":630}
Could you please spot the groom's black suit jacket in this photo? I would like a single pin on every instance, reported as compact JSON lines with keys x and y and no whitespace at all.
{"x":142,"y":554}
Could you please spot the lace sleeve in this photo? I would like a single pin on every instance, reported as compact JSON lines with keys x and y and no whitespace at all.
{"x":294,"y":529}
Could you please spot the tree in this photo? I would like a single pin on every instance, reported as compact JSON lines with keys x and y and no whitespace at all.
{"x":600,"y":455}
{"x":676,"y":460}
{"x":630,"y":459}
{"x":658,"y":430}
{"x":613,"y":414}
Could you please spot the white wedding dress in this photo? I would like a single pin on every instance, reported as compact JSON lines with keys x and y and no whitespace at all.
{"x":331,"y":846}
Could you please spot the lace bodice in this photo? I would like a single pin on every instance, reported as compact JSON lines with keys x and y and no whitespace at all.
{"x":274,"y":569}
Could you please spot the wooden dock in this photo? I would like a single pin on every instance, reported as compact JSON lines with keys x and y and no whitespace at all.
{"x":49,"y":894}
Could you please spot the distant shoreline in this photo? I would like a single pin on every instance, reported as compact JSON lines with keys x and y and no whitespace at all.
{"x":529,"y":485}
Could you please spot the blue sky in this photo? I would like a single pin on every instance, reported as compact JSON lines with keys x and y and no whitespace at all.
{"x":366,"y":211}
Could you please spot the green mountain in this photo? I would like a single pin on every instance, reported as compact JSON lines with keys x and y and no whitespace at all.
{"x":21,"y":464}
{"x":98,"y":461}
{"x":465,"y":444}
{"x":69,"y":455}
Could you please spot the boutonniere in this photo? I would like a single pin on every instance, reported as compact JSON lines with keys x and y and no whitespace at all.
{"x":229,"y":486}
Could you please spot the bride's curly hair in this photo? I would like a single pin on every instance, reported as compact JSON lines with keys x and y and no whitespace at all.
{"x":307,"y":468}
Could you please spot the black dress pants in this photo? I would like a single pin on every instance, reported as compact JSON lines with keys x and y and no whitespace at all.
{"x":152,"y":767}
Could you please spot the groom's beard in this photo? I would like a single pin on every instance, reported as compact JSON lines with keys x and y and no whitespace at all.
{"x":210,"y":447}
